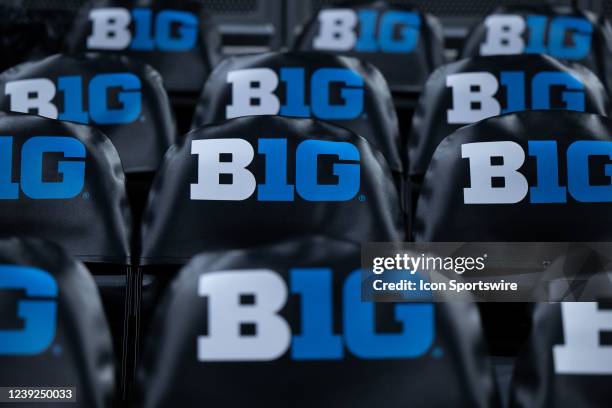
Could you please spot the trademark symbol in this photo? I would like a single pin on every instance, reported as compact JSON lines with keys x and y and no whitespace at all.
{"x":85,"y":196}
{"x":362,"y":197}
{"x":142,"y":118}
{"x":437,"y":352}
{"x":56,"y":350}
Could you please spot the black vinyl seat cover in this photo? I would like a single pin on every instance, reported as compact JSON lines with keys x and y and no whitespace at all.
{"x":54,"y":333}
{"x":564,"y":32}
{"x":473,"y":89}
{"x":560,"y":193}
{"x":506,"y":196}
{"x":135,"y":112}
{"x":405,"y":44}
{"x":567,"y":362}
{"x":357,"y":95}
{"x":63,"y":182}
{"x":176,"y":37}
{"x":231,"y":185}
{"x":311,"y":340}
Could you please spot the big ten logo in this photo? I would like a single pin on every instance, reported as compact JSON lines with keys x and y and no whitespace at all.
{"x":36,"y":182}
{"x":391,"y":31}
{"x":269,"y":294}
{"x":166,"y":30}
{"x":37,"y":311}
{"x":583,"y":351}
{"x":479,"y":95}
{"x":500,"y":163}
{"x":111,"y":98}
{"x":564,"y":37}
{"x":335,"y":93}
{"x":226,"y":160}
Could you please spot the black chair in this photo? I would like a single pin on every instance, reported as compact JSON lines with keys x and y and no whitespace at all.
{"x":405,"y":44}
{"x":389,"y":36}
{"x":54,"y":332}
{"x":511,"y":178}
{"x":175,"y":37}
{"x":285,"y":324}
{"x":566,"y":32}
{"x":69,"y":188}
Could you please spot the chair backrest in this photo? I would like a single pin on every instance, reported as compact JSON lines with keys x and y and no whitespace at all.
{"x":285,"y":325}
{"x":564,"y":32}
{"x":259,"y":179}
{"x":63,"y":182}
{"x":122,"y":97}
{"x":403,"y":43}
{"x":174,"y":36}
{"x":525,"y":176}
{"x":54,"y":332}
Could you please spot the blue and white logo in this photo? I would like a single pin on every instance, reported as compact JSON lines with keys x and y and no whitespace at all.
{"x":240,"y":154}
{"x":38,"y":310}
{"x":476,"y":95}
{"x":390,"y":31}
{"x":253,"y":93}
{"x":317,"y":339}
{"x":166,"y":30}
{"x":564,"y":37}
{"x":33,"y":181}
{"x":548,"y":188}
{"x":39,"y":96}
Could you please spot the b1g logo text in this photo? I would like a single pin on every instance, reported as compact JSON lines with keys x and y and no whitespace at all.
{"x":509,"y":157}
{"x":583,"y":351}
{"x":475,"y":94}
{"x":398,"y":31}
{"x":253,"y":93}
{"x":112,"y":98}
{"x":34,"y":182}
{"x":38,"y":310}
{"x":167,"y":30}
{"x":272,"y":337}
{"x":547,"y":35}
{"x":238,"y":154}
